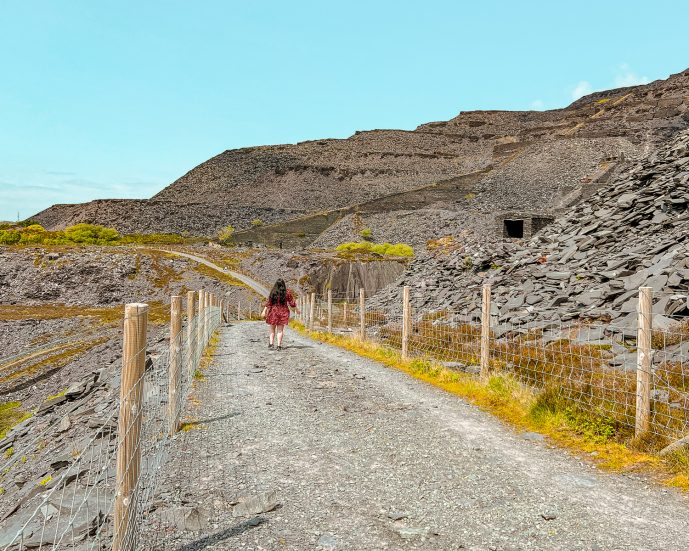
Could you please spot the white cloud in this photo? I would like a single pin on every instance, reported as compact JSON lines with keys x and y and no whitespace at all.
{"x":583,"y":88}
{"x":625,"y":76}
{"x":537,"y":105}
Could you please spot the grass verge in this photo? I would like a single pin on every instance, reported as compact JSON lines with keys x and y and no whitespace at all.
{"x":547,"y":412}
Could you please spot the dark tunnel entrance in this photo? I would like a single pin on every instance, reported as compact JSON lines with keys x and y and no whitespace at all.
{"x":514,"y":228}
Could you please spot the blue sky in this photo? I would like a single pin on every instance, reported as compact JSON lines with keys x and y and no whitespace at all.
{"x":119,"y":98}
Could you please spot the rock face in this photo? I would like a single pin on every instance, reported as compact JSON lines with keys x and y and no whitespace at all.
{"x":533,"y":162}
{"x":346,"y":278}
{"x":588,"y":264}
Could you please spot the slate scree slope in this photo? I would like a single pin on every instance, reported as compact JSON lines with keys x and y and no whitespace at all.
{"x":494,"y":172}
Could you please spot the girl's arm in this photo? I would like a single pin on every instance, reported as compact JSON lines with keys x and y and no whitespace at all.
{"x":290,"y":300}
{"x":292,"y":303}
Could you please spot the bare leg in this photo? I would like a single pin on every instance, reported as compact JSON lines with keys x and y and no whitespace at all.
{"x":271,"y":338}
{"x":281,"y":332}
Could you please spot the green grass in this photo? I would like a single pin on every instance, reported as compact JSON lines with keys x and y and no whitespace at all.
{"x":58,"y":395}
{"x":198,"y":375}
{"x":11,"y":415}
{"x":44,"y":481}
{"x":187,"y":426}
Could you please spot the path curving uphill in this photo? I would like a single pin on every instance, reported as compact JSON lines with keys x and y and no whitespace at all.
{"x":255,"y":285}
{"x":317,"y":448}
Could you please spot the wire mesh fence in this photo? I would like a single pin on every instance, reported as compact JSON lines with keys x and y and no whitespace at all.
{"x":98,"y":488}
{"x":599,"y":366}
{"x":247,"y":310}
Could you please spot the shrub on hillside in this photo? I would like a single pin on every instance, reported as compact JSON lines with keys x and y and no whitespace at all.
{"x":91,"y":234}
{"x":9,"y":237}
{"x":81,"y":234}
{"x":400,"y":249}
{"x":35,"y":228}
{"x":383,"y":249}
{"x":366,"y":233}
{"x":226,"y":234}
{"x":256,"y":222}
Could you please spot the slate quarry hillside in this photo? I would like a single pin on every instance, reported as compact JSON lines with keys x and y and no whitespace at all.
{"x":529,"y":164}
{"x":588,"y":264}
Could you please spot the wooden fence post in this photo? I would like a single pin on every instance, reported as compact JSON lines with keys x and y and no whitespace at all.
{"x":344,"y":313}
{"x":485,"y":332}
{"x":312,"y":311}
{"x":362,"y":314}
{"x":206,"y":318}
{"x":191,"y":338}
{"x":406,"y":322}
{"x":643,"y":361}
{"x":174,"y":382}
{"x":200,"y":345}
{"x":330,"y":311}
{"x":129,"y":424}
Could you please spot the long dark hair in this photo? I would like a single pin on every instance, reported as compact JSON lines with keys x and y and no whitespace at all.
{"x":278,"y":294}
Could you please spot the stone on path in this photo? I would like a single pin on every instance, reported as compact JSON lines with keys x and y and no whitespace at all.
{"x":255,"y":505}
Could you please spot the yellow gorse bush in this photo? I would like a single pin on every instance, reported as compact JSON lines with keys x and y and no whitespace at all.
{"x":80,"y":234}
{"x":384,"y":249}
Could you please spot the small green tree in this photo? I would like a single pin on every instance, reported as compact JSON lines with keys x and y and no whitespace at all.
{"x":256,"y":222}
{"x":226,"y":234}
{"x":366,"y":233}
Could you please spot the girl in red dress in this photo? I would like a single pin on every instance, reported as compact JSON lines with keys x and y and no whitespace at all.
{"x":276,"y":311}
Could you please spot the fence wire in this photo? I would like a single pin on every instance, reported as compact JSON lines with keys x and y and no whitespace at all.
{"x":78,"y":503}
{"x":590,"y":364}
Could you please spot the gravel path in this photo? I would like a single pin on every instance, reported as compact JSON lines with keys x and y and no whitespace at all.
{"x":317,"y":448}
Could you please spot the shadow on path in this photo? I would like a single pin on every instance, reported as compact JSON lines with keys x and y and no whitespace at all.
{"x":226,"y":534}
{"x":219,"y":418}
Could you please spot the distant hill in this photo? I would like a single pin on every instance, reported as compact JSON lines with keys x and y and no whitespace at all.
{"x":531,"y":164}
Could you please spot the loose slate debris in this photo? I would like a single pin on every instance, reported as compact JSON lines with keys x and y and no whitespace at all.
{"x":588,"y":264}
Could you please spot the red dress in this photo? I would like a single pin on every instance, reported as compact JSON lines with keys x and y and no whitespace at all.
{"x":278,"y":314}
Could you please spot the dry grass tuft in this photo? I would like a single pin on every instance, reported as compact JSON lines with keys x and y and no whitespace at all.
{"x":159,"y":313}
{"x":11,"y":415}
{"x":187,"y":426}
{"x":65,"y":354}
{"x":220,"y":276}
